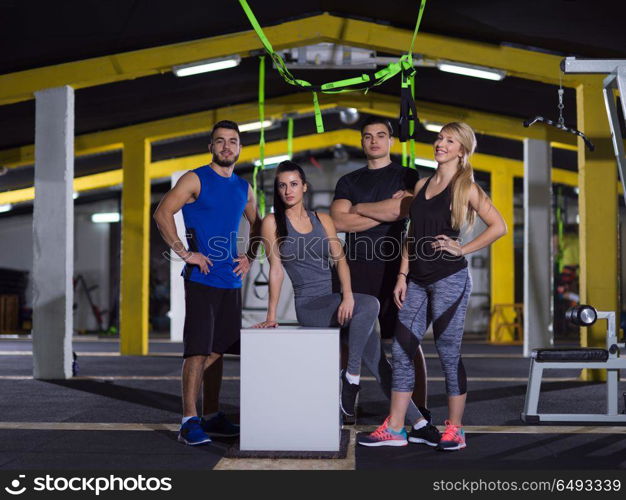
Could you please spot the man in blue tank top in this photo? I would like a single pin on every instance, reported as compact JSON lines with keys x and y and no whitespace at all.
{"x":212,"y":199}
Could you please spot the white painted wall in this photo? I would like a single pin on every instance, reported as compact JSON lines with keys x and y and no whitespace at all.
{"x":91,"y":259}
{"x":16,"y":247}
{"x":91,"y":256}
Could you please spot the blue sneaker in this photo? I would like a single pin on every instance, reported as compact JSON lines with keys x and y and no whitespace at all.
{"x":191,"y":433}
{"x":219,"y":426}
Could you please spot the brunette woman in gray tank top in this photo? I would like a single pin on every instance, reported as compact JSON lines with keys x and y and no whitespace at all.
{"x":305,"y":243}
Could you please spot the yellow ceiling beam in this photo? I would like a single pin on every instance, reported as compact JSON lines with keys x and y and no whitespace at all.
{"x":347,"y":137}
{"x":166,"y":168}
{"x":485,"y":123}
{"x":169,"y":128}
{"x":373,"y":103}
{"x":527,"y":64}
{"x":20,"y":86}
{"x":81,"y":184}
{"x":17,"y":196}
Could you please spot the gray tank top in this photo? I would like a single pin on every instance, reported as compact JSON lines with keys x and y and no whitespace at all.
{"x":305,"y":257}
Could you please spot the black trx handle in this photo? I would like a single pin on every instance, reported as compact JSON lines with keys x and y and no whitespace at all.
{"x":261,"y":279}
{"x":536,"y":119}
{"x":408,"y":110}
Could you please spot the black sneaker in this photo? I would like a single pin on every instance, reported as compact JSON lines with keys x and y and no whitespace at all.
{"x":349,"y":396}
{"x":220,"y":426}
{"x":426,"y":414}
{"x":346,"y":420}
{"x":429,"y":435}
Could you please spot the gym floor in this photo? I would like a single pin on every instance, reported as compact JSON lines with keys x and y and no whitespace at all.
{"x":122,"y":412}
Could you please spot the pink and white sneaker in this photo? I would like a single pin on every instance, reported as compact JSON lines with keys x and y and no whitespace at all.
{"x":453,"y":438}
{"x":384,"y":436}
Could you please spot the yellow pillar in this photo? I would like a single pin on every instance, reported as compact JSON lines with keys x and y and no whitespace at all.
{"x":502,"y":267}
{"x":135,"y":271}
{"x":597,"y":206}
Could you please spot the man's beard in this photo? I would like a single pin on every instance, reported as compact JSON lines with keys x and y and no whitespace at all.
{"x":225,"y":163}
{"x":371,"y":156}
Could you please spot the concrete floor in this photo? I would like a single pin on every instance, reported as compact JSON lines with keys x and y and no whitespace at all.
{"x":121,"y":413}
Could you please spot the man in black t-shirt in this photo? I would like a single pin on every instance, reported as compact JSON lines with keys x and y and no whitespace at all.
{"x":373,"y":248}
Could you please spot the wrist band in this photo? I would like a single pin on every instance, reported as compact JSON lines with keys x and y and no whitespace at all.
{"x":403,"y":274}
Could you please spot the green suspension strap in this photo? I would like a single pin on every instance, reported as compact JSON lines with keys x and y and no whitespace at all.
{"x":559,"y":229}
{"x":412,"y":127}
{"x":259,"y":168}
{"x":319,"y":123}
{"x":364,"y":82}
{"x":405,"y":158}
{"x":290,"y":137}
{"x":261,"y":279}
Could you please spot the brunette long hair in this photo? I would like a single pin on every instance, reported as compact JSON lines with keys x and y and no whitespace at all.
{"x":279,"y":205}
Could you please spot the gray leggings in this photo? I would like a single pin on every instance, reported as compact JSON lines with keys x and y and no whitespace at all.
{"x":363,"y":344}
{"x":444,"y":303}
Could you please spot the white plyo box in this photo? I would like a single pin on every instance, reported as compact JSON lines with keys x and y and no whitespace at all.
{"x":290,"y":389}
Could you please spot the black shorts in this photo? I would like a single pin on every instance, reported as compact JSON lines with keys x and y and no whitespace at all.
{"x":212,"y":320}
{"x":378,"y":279}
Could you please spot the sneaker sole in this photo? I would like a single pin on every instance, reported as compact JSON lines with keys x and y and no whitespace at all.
{"x":455,"y":448}
{"x":183,"y":440}
{"x":217,"y":434}
{"x":422,"y":441}
{"x":385,"y":443}
{"x":356,"y":403}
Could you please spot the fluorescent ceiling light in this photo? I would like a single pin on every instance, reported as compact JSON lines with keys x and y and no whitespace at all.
{"x":426,"y":163}
{"x":272,"y":160}
{"x":5,"y":208}
{"x":106,"y":217}
{"x":470,"y":70}
{"x":206,"y":66}
{"x":249,"y":127}
{"x":433,"y":127}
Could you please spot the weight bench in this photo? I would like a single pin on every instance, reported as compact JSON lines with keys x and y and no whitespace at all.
{"x":608,"y":359}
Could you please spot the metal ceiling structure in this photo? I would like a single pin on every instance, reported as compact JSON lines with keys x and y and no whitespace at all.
{"x":118,"y":56}
{"x":135,"y":44}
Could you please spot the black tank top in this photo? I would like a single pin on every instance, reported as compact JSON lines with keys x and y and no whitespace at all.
{"x":430,"y":218}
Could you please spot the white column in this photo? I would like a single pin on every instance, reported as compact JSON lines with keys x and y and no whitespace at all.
{"x":53,"y":234}
{"x":177,"y":286}
{"x":538,"y":310}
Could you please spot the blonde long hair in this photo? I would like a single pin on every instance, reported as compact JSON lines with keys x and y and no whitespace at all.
{"x":462,"y":212}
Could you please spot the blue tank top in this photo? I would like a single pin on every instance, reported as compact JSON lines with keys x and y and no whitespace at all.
{"x":212,"y":223}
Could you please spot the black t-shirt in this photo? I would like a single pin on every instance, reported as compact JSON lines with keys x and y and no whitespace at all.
{"x":383,"y":242}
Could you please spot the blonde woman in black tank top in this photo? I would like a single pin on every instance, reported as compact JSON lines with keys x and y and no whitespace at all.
{"x":433,"y":284}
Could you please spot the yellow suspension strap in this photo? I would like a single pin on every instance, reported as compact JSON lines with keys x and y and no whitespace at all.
{"x":362,"y":83}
